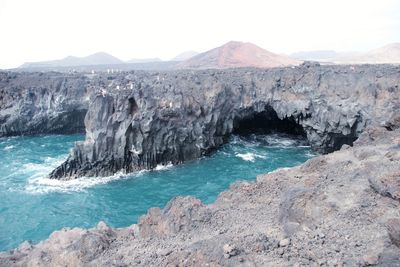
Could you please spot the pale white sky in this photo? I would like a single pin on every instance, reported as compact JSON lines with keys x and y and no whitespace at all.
{"x":36,"y":30}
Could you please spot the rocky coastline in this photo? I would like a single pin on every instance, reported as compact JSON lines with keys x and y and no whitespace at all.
{"x":42,"y":103}
{"x":338,"y":209}
{"x":149,"y":118}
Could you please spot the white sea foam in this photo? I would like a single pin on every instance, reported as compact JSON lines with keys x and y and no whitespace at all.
{"x":160,"y":167}
{"x":274,"y":140}
{"x":246,"y":156}
{"x":39,"y":183}
{"x":42,"y":184}
{"x":49,"y":163}
{"x":280,"y":140}
{"x":9,"y":147}
{"x":286,"y":142}
{"x":249,"y":156}
{"x":34,"y":168}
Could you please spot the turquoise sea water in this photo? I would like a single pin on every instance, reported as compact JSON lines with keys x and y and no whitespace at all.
{"x":32,"y":206}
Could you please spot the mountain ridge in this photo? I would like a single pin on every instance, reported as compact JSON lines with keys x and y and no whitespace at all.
{"x":238,"y":54}
{"x":144,"y":60}
{"x":230,"y":55}
{"x":99,"y":58}
{"x":185,"y":55}
{"x":387,"y":54}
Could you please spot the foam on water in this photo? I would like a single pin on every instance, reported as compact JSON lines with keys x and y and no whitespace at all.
{"x":249,"y":156}
{"x":41,"y":184}
{"x":33,"y":206}
{"x":8,"y":148}
{"x":161,"y":167}
{"x":246,"y":156}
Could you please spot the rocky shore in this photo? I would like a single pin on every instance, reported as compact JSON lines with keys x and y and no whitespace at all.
{"x":42,"y":103}
{"x":149,"y":118}
{"x":339,"y":209}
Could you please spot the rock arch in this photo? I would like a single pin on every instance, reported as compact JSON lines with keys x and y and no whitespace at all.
{"x":329,"y":105}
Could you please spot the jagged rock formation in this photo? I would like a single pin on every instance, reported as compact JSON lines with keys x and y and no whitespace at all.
{"x":46,"y":103}
{"x":340,"y":209}
{"x":35,"y":103}
{"x":172,"y":117}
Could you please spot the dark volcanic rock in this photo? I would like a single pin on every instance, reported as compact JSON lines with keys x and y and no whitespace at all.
{"x":36,"y":103}
{"x":172,"y":117}
{"x":340,"y":209}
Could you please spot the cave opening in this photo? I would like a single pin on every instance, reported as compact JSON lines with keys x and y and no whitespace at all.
{"x":250,"y":122}
{"x":132,"y":105}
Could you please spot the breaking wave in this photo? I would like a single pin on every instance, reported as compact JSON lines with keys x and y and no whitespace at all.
{"x":250,"y":156}
{"x":41,"y":184}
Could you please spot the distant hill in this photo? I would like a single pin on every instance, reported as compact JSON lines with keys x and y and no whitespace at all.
{"x":230,"y":55}
{"x":185,"y":56}
{"x":100,"y":58}
{"x":387,"y":54}
{"x":144,"y":60}
{"x":317,"y":55}
{"x":237,"y":54}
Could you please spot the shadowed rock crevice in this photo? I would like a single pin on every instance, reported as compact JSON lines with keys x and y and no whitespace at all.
{"x":132,"y":107}
{"x":265,"y":122}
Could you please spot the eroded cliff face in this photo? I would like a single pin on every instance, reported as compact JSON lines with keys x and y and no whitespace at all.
{"x":42,"y":103}
{"x":146,"y":119}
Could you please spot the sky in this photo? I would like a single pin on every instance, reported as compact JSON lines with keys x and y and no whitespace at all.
{"x":37,"y":30}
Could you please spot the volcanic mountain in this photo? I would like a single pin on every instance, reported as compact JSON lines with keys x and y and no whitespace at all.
{"x":185,"y":56}
{"x":99,"y":58}
{"x":237,"y":54}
